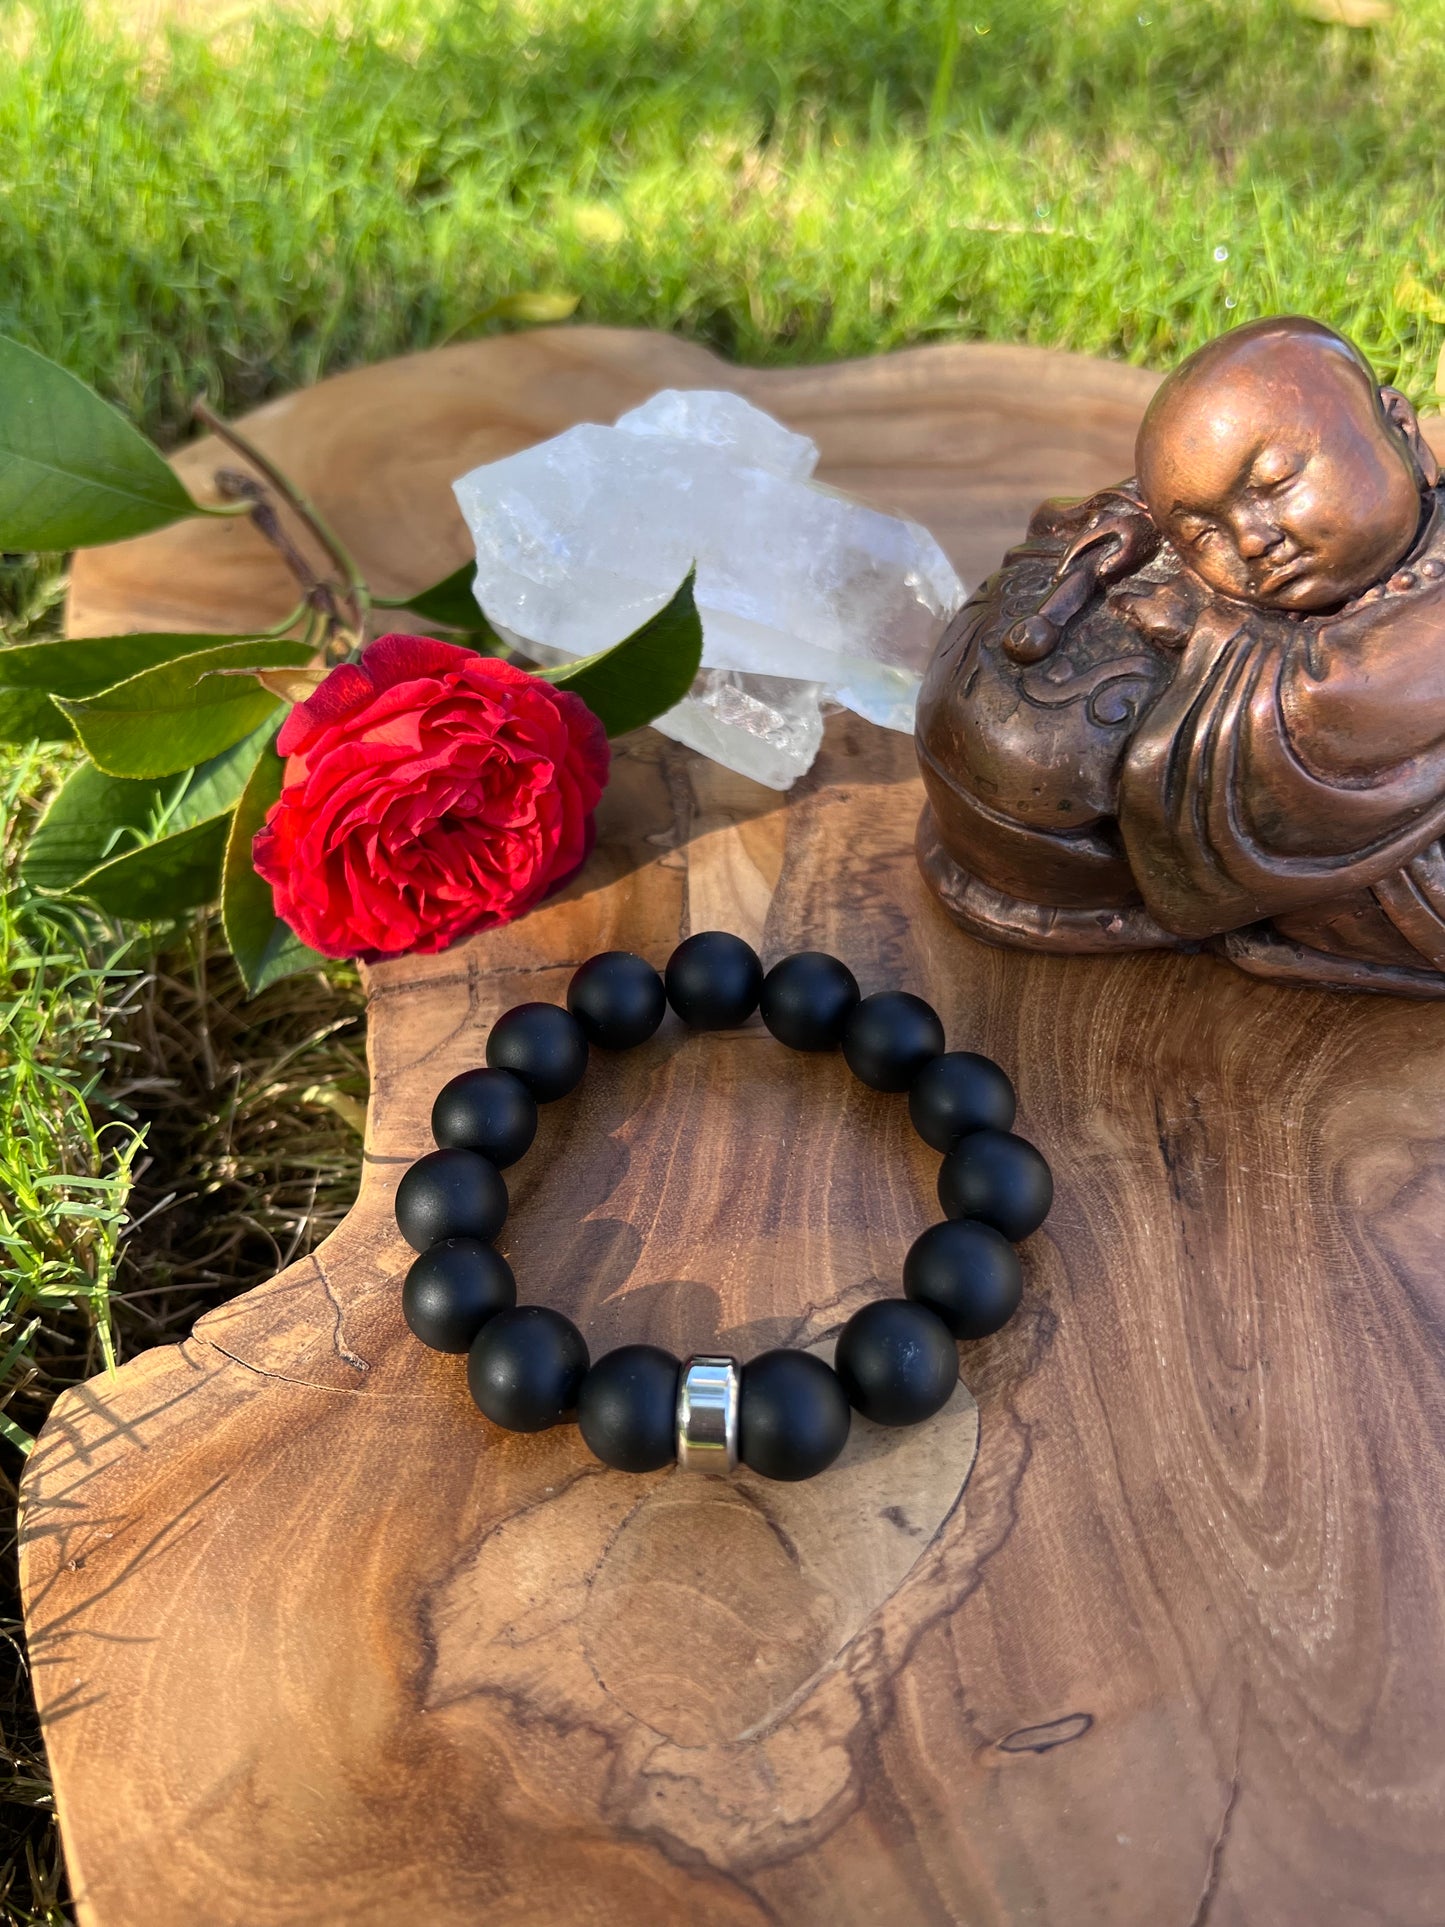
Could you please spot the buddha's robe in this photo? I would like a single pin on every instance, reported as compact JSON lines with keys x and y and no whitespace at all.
{"x":1293,"y":763}
{"x":1183,"y":766}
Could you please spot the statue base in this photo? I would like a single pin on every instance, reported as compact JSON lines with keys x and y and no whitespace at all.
{"x":1260,"y":950}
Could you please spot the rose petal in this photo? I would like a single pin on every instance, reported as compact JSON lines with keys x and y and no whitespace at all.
{"x":429,"y":793}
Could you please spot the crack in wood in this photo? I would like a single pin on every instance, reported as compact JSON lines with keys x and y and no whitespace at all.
{"x":1044,"y":1738}
{"x":1215,"y":1864}
{"x":339,"y":1346}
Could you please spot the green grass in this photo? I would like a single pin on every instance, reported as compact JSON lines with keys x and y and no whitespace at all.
{"x":784,"y":179}
{"x":246,"y":209}
{"x":65,"y":1168}
{"x":163,"y":1144}
{"x":66,"y":1164}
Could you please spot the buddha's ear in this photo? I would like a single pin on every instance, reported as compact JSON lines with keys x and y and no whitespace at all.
{"x":1399,"y":411}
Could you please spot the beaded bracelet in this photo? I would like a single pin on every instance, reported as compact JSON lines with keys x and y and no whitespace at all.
{"x":785,"y":1413}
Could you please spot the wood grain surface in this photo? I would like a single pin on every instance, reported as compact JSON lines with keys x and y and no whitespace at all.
{"x":313,"y":1642}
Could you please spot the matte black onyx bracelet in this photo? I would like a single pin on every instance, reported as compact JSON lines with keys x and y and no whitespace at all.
{"x":785,"y":1413}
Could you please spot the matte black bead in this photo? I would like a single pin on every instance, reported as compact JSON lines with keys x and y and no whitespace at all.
{"x":807,"y":999}
{"x":890,"y":1037}
{"x":453,"y":1289}
{"x":957,"y":1093}
{"x":897,"y":1362}
{"x":966,"y":1272}
{"x":618,"y":999}
{"x":543,"y":1045}
{"x":627,"y":1408}
{"x":450,"y":1194}
{"x":793,"y":1415}
{"x":998,"y":1177}
{"x":526,"y":1367}
{"x":714,"y":980}
{"x":487,"y":1111}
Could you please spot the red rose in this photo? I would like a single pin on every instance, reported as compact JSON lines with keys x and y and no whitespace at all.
{"x":429,"y":792}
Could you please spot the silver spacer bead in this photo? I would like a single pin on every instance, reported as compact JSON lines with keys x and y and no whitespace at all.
{"x":707,"y":1415}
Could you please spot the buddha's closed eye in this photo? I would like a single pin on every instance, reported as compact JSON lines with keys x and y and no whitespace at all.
{"x":1274,"y":471}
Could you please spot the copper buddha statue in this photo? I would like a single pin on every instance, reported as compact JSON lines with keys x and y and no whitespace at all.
{"x":1207,"y":707}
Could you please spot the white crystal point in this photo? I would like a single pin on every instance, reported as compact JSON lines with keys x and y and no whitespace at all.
{"x":806,"y":596}
{"x":716,"y":419}
{"x":769,"y":727}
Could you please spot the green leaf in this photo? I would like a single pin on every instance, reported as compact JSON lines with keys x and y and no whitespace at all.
{"x":536,"y":305}
{"x":449,"y":603}
{"x":33,"y":672}
{"x":73,"y":472}
{"x":161,"y":879}
{"x":215,"y":787}
{"x":29,"y":716}
{"x":539,"y":305}
{"x":141,"y":849}
{"x":179,"y":713}
{"x":645,"y":674}
{"x":92,"y":819}
{"x":265,"y":948}
{"x":284,"y":955}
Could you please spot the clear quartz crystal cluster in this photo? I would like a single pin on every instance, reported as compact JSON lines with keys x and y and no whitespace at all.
{"x":807,"y":597}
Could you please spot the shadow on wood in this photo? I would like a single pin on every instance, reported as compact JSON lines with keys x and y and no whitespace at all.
{"x":313,"y":1641}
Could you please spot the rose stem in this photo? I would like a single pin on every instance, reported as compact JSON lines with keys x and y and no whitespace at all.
{"x":305,"y":510}
{"x":319,"y":596}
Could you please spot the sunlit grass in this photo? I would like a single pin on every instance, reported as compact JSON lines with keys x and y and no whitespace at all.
{"x":67,"y":1159}
{"x":246,"y":207}
{"x":65,"y":1165}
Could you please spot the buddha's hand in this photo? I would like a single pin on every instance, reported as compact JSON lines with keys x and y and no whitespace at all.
{"x":1117,"y":538}
{"x":1164,"y":613}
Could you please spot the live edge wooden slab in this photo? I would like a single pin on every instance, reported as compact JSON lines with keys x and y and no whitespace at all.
{"x":314,"y":1643}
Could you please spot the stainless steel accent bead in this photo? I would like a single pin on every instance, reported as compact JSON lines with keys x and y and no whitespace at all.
{"x":707,"y":1415}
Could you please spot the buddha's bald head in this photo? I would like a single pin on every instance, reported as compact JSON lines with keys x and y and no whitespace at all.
{"x":1279,"y":470}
